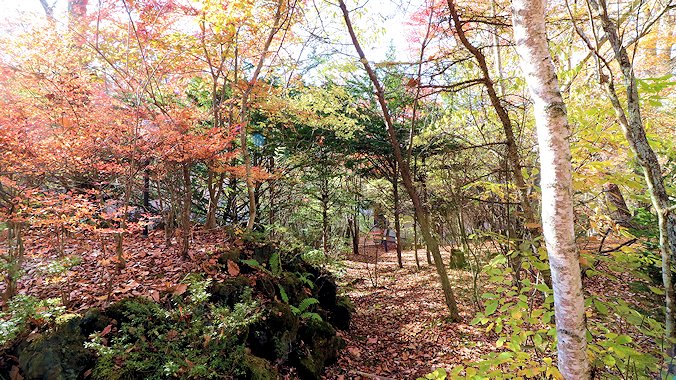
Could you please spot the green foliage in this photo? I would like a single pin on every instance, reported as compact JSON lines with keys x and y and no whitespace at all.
{"x":438,"y":374}
{"x":302,"y":310}
{"x":522,"y":321}
{"x":275,"y":264}
{"x":192,"y":340}
{"x":22,"y":310}
{"x":318,"y":259}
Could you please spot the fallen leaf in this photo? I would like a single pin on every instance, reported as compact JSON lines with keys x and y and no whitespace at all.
{"x":106,"y":330}
{"x":233,"y":269}
{"x":14,"y":373}
{"x":180,"y":289}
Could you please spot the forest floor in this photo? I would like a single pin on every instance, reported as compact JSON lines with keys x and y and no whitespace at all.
{"x":398,"y":331}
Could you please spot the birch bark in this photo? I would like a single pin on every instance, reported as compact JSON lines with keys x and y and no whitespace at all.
{"x":553,"y":134}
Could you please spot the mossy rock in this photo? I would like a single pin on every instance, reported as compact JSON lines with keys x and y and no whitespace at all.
{"x":326,"y":290}
{"x":266,"y":285}
{"x":262,"y":253}
{"x":295,"y":290}
{"x":256,"y":368}
{"x":229,"y":291}
{"x":341,"y":314}
{"x":320,"y":348}
{"x":232,"y":254}
{"x":274,"y":336}
{"x":56,"y":355}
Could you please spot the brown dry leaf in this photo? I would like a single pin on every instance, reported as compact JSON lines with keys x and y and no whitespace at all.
{"x":106,"y":330}
{"x":14,"y":373}
{"x":180,"y":289}
{"x":354,"y":351}
{"x":155,"y":295}
{"x":233,"y":269}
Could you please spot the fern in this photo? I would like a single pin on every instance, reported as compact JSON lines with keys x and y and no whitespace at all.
{"x":311,"y":315}
{"x":306,"y":303}
{"x":282,"y":293}
{"x":305,"y":279}
{"x":275,"y":264}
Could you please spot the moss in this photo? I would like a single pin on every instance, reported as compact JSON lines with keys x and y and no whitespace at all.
{"x":58,"y":354}
{"x":341,"y":313}
{"x":294,"y":288}
{"x":256,"y":368}
{"x":274,"y":335}
{"x":229,"y":291}
{"x":321,"y":348}
{"x":232,"y":254}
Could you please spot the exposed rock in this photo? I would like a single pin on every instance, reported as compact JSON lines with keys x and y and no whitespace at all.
{"x":258,"y":368}
{"x":56,"y":355}
{"x":320,"y":347}
{"x":274,"y":336}
{"x":341,"y":314}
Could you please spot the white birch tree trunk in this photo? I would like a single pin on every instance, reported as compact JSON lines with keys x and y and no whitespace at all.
{"x":553,"y":134}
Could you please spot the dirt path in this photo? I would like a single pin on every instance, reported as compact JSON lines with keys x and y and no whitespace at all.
{"x":399,"y":328}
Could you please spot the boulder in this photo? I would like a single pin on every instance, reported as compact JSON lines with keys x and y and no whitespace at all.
{"x":58,"y":354}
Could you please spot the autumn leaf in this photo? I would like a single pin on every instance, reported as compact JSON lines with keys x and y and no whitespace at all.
{"x":179,"y":289}
{"x":233,"y":269}
{"x":14,"y":373}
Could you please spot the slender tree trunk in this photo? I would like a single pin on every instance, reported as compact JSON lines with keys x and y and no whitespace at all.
{"x":215,"y":189}
{"x":325,"y":218}
{"x":415,"y":240}
{"x":503,"y":115}
{"x":617,"y":206}
{"x":397,"y":222}
{"x":146,"y":195}
{"x":553,"y":133}
{"x":634,"y":131}
{"x":244,"y":116}
{"x":420,"y":208}
{"x":185,"y":218}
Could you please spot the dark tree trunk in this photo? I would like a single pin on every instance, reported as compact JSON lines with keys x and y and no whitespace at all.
{"x":617,"y":206}
{"x":420,"y":208}
{"x":146,"y":196}
{"x":397,"y":222}
{"x":187,"y":203}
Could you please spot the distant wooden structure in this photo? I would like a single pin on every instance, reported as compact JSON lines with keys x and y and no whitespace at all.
{"x":374,"y":239}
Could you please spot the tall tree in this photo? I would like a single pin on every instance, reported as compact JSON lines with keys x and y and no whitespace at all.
{"x":553,"y":134}
{"x":421,"y":209}
{"x":631,"y":122}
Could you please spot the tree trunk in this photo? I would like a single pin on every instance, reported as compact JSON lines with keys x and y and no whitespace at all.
{"x":146,"y":195}
{"x":325,"y":219}
{"x":244,"y":116}
{"x":215,"y":189}
{"x":553,"y":133}
{"x":617,"y":206}
{"x":185,"y":218}
{"x":632,"y":126}
{"x":415,"y":241}
{"x":503,"y":115}
{"x":420,"y":208}
{"x":397,"y":222}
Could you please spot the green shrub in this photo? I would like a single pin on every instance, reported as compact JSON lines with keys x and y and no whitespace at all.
{"x":192,"y":340}
{"x":21,"y":310}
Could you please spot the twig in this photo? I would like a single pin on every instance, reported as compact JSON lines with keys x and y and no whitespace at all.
{"x":629,"y":242}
